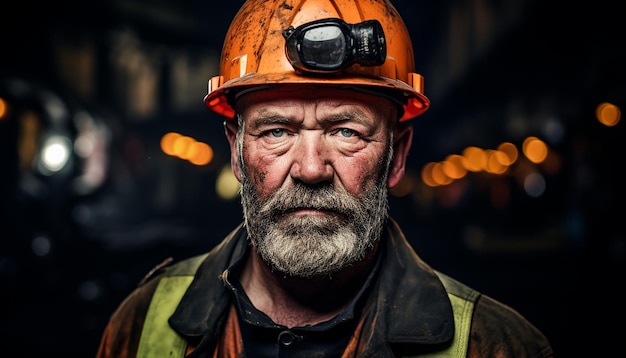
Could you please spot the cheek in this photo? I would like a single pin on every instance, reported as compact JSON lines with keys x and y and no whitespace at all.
{"x":359,"y":174}
{"x":267,"y":173}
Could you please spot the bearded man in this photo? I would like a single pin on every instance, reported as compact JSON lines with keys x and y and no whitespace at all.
{"x":317,"y":95}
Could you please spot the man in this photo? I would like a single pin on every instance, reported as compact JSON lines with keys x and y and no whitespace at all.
{"x":316,"y":95}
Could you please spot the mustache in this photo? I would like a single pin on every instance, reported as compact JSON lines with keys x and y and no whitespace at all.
{"x":302,"y":196}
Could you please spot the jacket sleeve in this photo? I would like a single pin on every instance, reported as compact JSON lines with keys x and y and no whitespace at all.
{"x":500,"y":331}
{"x":123,"y":331}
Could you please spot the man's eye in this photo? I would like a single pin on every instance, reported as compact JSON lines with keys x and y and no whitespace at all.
{"x":276,"y":132}
{"x":345,"y":132}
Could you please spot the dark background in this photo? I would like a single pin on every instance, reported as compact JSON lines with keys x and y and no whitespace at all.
{"x":495,"y":71}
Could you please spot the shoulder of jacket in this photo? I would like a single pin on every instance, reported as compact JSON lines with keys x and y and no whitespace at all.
{"x":168,"y":267}
{"x":457,"y":288}
{"x":507,"y":327}
{"x":155,"y":271}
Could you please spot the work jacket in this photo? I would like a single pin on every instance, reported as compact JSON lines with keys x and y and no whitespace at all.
{"x":411,"y":311}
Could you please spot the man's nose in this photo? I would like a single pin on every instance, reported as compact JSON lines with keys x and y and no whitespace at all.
{"x":312,"y":159}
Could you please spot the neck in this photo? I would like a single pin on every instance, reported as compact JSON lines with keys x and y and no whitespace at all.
{"x":295,"y":302}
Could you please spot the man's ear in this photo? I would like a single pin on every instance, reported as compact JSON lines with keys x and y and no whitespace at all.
{"x":230,"y":128}
{"x":402,"y":143}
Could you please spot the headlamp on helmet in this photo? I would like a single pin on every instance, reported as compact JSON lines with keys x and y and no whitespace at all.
{"x":330,"y":45}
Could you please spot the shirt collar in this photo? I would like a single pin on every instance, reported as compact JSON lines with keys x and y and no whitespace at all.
{"x":254,"y":316}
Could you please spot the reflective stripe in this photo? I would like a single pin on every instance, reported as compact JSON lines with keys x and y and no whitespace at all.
{"x":463,"y":310}
{"x":158,"y":339}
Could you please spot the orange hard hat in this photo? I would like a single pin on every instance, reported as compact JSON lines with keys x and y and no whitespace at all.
{"x":254,"y":53}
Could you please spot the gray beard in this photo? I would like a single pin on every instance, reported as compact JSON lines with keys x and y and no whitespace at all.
{"x":314,"y":246}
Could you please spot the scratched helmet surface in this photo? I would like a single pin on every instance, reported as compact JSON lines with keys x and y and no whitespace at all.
{"x":254,"y":53}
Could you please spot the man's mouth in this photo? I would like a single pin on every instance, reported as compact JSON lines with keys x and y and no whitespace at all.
{"x":309,"y":212}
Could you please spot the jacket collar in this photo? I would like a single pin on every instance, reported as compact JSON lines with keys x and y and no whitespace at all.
{"x":205,"y":305}
{"x":408,"y":303}
{"x":410,"y":298}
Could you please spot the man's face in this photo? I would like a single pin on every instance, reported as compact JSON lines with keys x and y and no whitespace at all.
{"x":314,"y":170}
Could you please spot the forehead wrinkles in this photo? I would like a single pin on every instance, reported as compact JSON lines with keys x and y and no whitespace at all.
{"x":326,"y":109}
{"x":268,"y":108}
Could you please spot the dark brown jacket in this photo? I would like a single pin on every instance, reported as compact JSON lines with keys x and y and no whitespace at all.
{"x":407,"y":312}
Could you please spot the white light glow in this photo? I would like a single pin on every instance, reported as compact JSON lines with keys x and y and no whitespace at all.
{"x":55,"y":154}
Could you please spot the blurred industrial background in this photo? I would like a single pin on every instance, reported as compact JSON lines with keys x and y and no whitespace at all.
{"x":110,"y":162}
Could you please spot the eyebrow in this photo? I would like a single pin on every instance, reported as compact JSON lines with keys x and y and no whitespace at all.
{"x":266,"y":118}
{"x":351,"y":115}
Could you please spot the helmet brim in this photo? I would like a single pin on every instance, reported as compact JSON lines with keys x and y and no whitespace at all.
{"x":222,"y":99}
